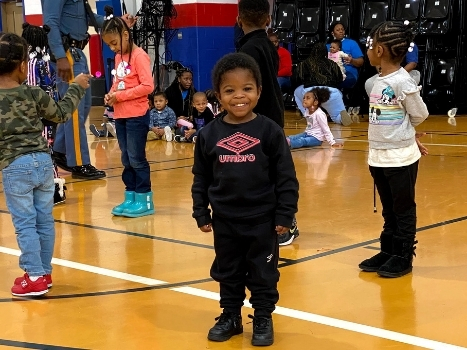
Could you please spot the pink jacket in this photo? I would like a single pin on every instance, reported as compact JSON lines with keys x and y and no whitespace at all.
{"x":132,"y":83}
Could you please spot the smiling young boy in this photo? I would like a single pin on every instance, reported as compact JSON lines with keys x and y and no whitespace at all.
{"x":244,"y":171}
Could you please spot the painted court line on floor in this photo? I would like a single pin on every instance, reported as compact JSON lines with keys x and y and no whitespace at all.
{"x":297,"y":314}
{"x":425,"y":143}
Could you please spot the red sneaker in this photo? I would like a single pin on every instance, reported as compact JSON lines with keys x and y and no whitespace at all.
{"x":28,"y":288}
{"x":47,"y":277}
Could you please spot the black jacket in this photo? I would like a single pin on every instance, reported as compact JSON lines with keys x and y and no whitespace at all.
{"x":244,"y":171}
{"x":200,"y":120}
{"x":257,"y":45}
{"x":181,"y":107}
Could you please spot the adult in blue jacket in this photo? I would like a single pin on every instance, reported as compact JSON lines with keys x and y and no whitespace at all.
{"x":350,"y":47}
{"x":68,"y":21}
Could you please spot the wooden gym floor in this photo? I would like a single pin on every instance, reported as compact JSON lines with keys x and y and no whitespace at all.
{"x":144,"y":283}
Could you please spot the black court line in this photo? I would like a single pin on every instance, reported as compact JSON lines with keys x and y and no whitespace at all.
{"x":109,"y":292}
{"x":365,"y":243}
{"x":372,"y":248}
{"x":180,"y":284}
{"x":20,"y":344}
{"x":120,"y":175}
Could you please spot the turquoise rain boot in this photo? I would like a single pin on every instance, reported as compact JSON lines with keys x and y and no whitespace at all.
{"x":142,"y":206}
{"x":129,"y":199}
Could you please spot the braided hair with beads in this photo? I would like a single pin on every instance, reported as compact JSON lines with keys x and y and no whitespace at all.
{"x":397,"y":37}
{"x":116,"y":25}
{"x":13,"y":51}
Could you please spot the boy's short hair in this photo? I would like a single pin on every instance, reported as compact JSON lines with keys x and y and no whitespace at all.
{"x":254,"y":13}
{"x":338,"y":42}
{"x":199,"y":94}
{"x":159,"y":93}
{"x":233,"y":61}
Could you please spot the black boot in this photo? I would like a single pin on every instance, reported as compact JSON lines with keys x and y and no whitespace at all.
{"x":227,"y":325}
{"x":263,"y":331}
{"x":374,"y":263}
{"x":400,"y":262}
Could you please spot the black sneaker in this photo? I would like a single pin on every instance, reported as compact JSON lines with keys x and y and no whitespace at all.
{"x":288,"y":237}
{"x":87,"y":172}
{"x":227,"y":325}
{"x":263,"y":331}
{"x":95,"y":131}
{"x":179,"y":138}
{"x":60,"y":160}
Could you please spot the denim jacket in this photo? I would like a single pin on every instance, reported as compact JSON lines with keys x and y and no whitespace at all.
{"x":161,"y":119}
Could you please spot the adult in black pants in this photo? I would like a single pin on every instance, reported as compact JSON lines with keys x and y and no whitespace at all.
{"x":253,"y":19}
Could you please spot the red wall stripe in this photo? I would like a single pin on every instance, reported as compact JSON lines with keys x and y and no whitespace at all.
{"x":34,"y":19}
{"x":205,"y":15}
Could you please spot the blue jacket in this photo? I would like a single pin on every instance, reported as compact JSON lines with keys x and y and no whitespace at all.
{"x":66,"y":17}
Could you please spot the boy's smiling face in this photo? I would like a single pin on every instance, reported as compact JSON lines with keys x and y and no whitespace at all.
{"x":238,"y":94}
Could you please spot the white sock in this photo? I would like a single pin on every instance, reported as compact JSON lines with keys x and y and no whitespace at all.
{"x":34,"y":278}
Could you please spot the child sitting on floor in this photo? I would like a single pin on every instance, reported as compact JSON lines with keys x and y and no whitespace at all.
{"x":202,"y":115}
{"x":162,"y":119}
{"x":317,"y":128}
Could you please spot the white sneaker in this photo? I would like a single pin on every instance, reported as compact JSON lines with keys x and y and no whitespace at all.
{"x":345,"y":118}
{"x":168,"y":133}
{"x":111,"y":129}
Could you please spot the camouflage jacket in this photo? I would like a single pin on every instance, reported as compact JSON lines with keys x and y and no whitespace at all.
{"x":21,"y":110}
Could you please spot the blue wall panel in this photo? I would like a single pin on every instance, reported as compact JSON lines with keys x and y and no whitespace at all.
{"x":199,"y":49}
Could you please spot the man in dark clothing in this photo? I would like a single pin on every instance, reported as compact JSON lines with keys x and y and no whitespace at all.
{"x":253,"y":18}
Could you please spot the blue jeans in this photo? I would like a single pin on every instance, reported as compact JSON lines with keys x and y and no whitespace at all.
{"x":131,"y":136}
{"x":349,"y":82}
{"x":28,"y":183}
{"x":303,"y":140}
{"x":284,"y":83}
{"x":71,"y":138}
{"x":334,"y":105}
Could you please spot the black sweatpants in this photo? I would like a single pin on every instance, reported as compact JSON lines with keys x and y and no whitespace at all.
{"x":396,"y":188}
{"x":246,"y":256}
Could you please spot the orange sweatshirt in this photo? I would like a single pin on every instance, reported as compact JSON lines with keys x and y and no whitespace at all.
{"x":132,"y":83}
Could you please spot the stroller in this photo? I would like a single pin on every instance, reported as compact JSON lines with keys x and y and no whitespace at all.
{"x":108,"y":125}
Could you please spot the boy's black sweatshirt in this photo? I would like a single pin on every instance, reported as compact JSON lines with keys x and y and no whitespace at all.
{"x":257,"y":45}
{"x":244,"y":171}
{"x":200,"y":120}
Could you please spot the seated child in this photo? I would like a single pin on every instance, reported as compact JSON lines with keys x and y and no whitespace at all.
{"x":162,"y":119}
{"x":317,"y":128}
{"x":202,"y":115}
{"x":336,"y":54}
{"x":108,"y":124}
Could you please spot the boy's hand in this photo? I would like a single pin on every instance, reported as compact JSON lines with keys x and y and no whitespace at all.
{"x":83,"y":80}
{"x":158,"y":131}
{"x":281,"y":229}
{"x":423,"y":149}
{"x":337,"y":145}
{"x":206,"y":228}
{"x":189,"y":132}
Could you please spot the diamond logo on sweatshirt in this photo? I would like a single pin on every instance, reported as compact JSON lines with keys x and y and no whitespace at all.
{"x":238,"y":142}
